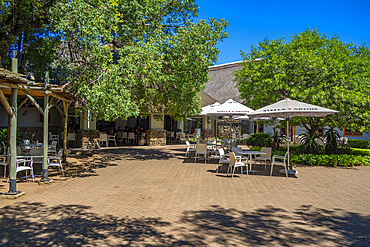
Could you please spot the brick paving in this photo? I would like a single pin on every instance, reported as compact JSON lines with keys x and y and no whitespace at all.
{"x":152,"y":196}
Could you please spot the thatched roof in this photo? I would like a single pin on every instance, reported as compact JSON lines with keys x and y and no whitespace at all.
{"x":206,"y":99}
{"x":220,"y":85}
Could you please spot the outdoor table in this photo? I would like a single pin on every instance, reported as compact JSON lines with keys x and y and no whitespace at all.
{"x":29,"y":157}
{"x":250,"y":153}
{"x":35,"y":145}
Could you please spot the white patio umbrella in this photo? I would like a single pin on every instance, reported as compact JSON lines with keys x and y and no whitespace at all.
{"x":208,"y":108}
{"x":229,"y":108}
{"x":287,"y":109}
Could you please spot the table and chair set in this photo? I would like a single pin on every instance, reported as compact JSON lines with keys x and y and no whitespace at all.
{"x":234,"y":157}
{"x":29,"y":154}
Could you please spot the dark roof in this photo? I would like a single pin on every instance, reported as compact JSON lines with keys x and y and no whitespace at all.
{"x":220,"y":85}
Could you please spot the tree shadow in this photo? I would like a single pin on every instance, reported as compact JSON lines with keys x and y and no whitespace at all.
{"x":269,"y":226}
{"x":36,"y":224}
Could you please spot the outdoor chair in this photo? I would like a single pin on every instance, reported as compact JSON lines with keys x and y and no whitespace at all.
{"x":53,"y":147}
{"x":25,"y":147}
{"x":201,"y":149}
{"x":124,"y":137}
{"x":222,"y":160}
{"x":53,"y":137}
{"x":24,"y":165}
{"x":282,"y":163}
{"x":103,"y":138}
{"x":4,"y":161}
{"x":56,"y":161}
{"x":71,"y":137}
{"x":37,"y":152}
{"x":266,"y":157}
{"x":182,"y":137}
{"x":188,"y":148}
{"x":4,"y":148}
{"x":234,"y":163}
{"x":131,"y":137}
{"x":172,"y":135}
{"x":112,"y":138}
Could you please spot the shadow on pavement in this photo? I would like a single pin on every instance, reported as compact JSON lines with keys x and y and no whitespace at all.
{"x":36,"y":224}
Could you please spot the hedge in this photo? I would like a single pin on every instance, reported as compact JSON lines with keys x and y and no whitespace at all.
{"x":330,"y":160}
{"x":357,"y":143}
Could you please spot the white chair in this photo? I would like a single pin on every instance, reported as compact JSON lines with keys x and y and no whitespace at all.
{"x":53,"y":137}
{"x":266,"y":157}
{"x":25,"y":145}
{"x":4,"y":161}
{"x":103,"y":138}
{"x":124,"y":136}
{"x":222,"y":160}
{"x":56,"y":161}
{"x":52,"y":148}
{"x":112,"y":138}
{"x":275,"y":162}
{"x":182,"y":137}
{"x":188,"y":148}
{"x":201,"y":149}
{"x":71,"y":137}
{"x":172,"y":135}
{"x":22,"y":166}
{"x":131,"y":137}
{"x":4,"y":148}
{"x":234,"y":163}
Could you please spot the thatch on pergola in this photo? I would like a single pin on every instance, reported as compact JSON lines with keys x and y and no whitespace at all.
{"x":13,"y":86}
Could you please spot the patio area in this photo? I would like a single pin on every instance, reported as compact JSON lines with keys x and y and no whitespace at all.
{"x":145,"y":196}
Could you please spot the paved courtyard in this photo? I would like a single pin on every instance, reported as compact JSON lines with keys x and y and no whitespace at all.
{"x":152,"y":196}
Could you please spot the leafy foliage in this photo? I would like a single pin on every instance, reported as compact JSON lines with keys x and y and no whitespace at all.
{"x":277,"y":140}
{"x":312,"y":68}
{"x":259,"y":140}
{"x":331,"y":137}
{"x":330,"y":160}
{"x":357,"y":143}
{"x":309,"y":144}
{"x":125,"y":58}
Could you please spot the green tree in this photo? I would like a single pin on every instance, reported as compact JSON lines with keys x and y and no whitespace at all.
{"x":126,"y":58}
{"x":312,"y":68}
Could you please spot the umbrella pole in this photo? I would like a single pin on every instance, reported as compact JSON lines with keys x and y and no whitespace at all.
{"x":288,"y":141}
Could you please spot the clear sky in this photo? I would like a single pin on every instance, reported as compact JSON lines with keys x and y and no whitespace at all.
{"x":251,"y":21}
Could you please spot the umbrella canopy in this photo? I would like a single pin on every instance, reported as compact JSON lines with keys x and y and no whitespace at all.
{"x":230,"y":107}
{"x":287,"y":108}
{"x":208,"y":108}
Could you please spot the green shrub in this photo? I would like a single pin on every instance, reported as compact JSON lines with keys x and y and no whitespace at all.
{"x":357,"y":143}
{"x":259,"y":140}
{"x":330,"y":160}
{"x":354,"y":151}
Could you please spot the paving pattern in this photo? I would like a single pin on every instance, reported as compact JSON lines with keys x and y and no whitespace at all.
{"x":152,"y":196}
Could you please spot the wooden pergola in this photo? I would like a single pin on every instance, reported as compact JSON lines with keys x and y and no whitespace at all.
{"x":14,"y":86}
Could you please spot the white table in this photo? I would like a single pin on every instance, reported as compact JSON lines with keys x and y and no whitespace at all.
{"x":250,"y":153}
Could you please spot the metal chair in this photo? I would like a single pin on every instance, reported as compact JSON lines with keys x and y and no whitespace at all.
{"x":71,"y":137}
{"x":131,"y":136}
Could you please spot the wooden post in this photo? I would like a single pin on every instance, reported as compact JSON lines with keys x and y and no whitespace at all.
{"x":46,"y":131}
{"x":65,"y":108}
{"x":13,"y":136}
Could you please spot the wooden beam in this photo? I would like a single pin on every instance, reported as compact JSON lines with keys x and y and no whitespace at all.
{"x":56,"y":106}
{"x":25,"y":87}
{"x":34,"y":102}
{"x":5,"y":103}
{"x":60,"y":97}
{"x":23,"y":102}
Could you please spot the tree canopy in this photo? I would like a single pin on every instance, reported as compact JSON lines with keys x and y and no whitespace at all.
{"x":312,"y":68}
{"x":126,"y":58}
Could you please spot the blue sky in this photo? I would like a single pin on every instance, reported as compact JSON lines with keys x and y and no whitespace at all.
{"x":251,"y":21}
